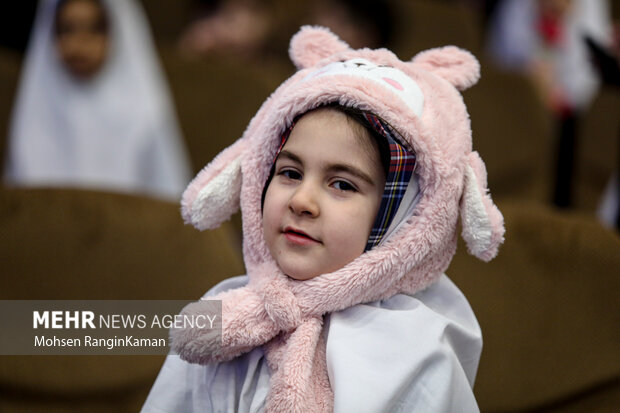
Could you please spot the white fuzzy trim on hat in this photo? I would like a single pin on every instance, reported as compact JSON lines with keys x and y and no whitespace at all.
{"x":477,"y":227}
{"x":218,"y":199}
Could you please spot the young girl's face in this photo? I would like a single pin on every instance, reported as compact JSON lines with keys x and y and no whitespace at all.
{"x":321,"y":204}
{"x":81,"y":37}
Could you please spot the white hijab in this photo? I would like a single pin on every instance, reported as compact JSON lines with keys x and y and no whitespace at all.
{"x":116,"y":132}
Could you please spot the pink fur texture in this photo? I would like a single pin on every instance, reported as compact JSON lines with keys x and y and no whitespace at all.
{"x":444,"y":62}
{"x":284,"y":315}
{"x":312,"y":44}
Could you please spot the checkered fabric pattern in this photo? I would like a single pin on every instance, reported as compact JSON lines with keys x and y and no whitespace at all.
{"x":402,"y":165}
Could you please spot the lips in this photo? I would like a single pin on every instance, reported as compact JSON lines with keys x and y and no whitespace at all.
{"x":299,"y":237}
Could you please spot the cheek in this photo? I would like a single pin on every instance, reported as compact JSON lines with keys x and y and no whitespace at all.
{"x":94,"y":49}
{"x":100,"y":48}
{"x":272,"y":210}
{"x":351,"y":228}
{"x":63,"y":46}
{"x":367,"y":214}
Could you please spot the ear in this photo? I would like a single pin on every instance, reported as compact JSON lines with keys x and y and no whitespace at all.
{"x":457,"y":66}
{"x":483,"y":224}
{"x":213,"y":196}
{"x":312,"y":44}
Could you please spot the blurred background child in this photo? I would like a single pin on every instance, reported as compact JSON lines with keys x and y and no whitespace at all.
{"x":546,"y":39}
{"x":93,"y":110}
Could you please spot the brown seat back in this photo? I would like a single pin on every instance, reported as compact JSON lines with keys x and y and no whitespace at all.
{"x":548,"y":308}
{"x":70,"y":244}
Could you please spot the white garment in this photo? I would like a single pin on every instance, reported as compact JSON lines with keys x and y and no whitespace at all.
{"x":405,"y":354}
{"x":514,"y":42}
{"x":117,"y":131}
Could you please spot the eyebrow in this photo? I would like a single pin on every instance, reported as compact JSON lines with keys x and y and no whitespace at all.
{"x":338,"y":167}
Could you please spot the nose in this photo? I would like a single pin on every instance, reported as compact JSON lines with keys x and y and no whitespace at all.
{"x":304,"y":201}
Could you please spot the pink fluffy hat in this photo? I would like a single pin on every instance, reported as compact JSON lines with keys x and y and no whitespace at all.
{"x":420,"y":99}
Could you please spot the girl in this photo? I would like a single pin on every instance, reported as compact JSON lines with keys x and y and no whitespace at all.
{"x":345,"y":306}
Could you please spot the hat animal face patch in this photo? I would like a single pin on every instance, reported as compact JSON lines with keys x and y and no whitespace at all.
{"x":395,"y":80}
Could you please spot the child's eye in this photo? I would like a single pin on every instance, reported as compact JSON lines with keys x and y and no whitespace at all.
{"x":344,"y":186}
{"x":290,"y":174}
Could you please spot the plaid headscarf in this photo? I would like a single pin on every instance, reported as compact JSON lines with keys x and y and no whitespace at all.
{"x":402,"y":165}
{"x":398,"y":179}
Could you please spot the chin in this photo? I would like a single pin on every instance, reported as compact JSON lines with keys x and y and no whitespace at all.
{"x":299,"y":275}
{"x":83,"y":71}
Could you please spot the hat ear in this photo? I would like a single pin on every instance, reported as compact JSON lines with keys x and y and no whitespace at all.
{"x":457,"y":66}
{"x":483,"y":223}
{"x":312,"y":44}
{"x":213,"y":196}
